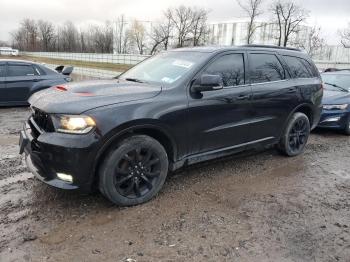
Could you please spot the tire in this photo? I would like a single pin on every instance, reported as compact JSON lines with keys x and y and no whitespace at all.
{"x":295,"y":135}
{"x":133,"y":172}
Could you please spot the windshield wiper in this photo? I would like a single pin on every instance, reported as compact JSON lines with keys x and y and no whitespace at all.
{"x":134,"y":80}
{"x":336,"y":86}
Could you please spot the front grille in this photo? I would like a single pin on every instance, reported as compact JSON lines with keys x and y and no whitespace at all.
{"x":42,"y":120}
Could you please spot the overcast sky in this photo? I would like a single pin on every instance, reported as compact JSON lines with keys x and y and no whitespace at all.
{"x":329,"y":14}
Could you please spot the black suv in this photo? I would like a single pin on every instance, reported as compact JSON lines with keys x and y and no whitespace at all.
{"x":173,"y":109}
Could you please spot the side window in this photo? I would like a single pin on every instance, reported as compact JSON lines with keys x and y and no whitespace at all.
{"x":2,"y":70}
{"x":229,"y":67}
{"x":297,"y":67}
{"x":265,"y":68}
{"x":21,"y":70}
{"x":39,"y":70}
{"x":310,"y":67}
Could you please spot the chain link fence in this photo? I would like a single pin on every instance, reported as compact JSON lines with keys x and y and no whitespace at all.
{"x":126,"y":59}
{"x":132,"y":59}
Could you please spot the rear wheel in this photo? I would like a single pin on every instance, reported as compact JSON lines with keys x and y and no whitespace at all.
{"x":295,"y":136}
{"x":134,"y":172}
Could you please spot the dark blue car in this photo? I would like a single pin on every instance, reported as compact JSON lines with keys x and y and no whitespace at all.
{"x":20,"y":79}
{"x":336,"y":101}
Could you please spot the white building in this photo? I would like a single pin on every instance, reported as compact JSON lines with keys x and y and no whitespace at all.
{"x":235,"y":33}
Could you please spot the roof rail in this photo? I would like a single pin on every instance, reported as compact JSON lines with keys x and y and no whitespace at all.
{"x":273,"y":46}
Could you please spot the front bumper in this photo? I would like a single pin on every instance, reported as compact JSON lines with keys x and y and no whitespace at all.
{"x":334,"y":119}
{"x":50,"y":154}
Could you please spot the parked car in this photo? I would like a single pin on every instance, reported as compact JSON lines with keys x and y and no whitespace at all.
{"x":8,"y":51}
{"x":20,"y":79}
{"x":174,"y":109}
{"x":336,"y":101}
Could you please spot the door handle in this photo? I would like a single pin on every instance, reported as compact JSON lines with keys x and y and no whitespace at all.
{"x":243,"y":97}
{"x":292,"y":90}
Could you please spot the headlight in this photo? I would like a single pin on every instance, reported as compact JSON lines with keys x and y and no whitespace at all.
{"x":334,"y":107}
{"x":73,"y":124}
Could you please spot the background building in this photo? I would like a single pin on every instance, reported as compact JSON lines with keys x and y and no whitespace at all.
{"x":234,"y":33}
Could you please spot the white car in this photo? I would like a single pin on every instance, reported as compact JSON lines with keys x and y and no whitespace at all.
{"x":8,"y":51}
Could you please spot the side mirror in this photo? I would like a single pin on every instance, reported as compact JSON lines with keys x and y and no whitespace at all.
{"x":67,"y":70}
{"x":208,"y":83}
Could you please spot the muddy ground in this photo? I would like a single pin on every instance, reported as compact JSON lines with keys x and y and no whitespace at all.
{"x":259,"y":207}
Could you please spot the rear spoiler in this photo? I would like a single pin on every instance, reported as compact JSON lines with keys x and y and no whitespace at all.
{"x":64,"y":70}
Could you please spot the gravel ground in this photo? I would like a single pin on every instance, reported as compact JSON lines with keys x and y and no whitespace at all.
{"x":257,"y":207}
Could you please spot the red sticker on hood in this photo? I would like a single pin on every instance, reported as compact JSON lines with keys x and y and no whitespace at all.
{"x":61,"y":88}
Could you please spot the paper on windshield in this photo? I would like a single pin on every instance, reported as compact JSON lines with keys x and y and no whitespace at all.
{"x":182,"y":63}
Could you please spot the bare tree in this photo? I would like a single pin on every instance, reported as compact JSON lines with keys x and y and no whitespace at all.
{"x":289,"y":17}
{"x":69,"y":36}
{"x":138,"y":35}
{"x":253,"y":9}
{"x":345,"y":37}
{"x":26,"y":36}
{"x":190,"y":24}
{"x":121,"y":37}
{"x":99,"y":39}
{"x":160,"y":35}
{"x":46,"y":34}
{"x":199,"y":26}
{"x":182,"y":19}
{"x":314,"y":42}
{"x":29,"y":28}
{"x":18,"y":39}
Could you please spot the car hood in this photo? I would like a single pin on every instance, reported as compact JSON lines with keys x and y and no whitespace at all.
{"x":78,"y":97}
{"x":335,"y":97}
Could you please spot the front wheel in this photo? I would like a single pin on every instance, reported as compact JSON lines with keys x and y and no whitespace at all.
{"x":295,"y":135}
{"x":134,"y":172}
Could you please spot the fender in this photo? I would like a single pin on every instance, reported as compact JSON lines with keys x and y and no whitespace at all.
{"x":297,"y":109}
{"x":128,"y":128}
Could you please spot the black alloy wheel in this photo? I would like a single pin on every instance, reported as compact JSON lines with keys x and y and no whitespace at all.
{"x":298,"y":134}
{"x":295,"y":136}
{"x":134,"y":171}
{"x":137,"y":172}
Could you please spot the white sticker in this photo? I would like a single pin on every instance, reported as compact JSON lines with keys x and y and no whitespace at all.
{"x":167,"y":80}
{"x":182,"y":63}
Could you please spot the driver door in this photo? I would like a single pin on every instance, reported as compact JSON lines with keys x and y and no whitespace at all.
{"x":219,"y":119}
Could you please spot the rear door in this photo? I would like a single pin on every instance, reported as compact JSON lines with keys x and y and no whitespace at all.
{"x":20,"y":78}
{"x":274,"y":95}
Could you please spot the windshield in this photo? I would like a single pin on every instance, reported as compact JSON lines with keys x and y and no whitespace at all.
{"x":336,"y":81}
{"x":166,"y":68}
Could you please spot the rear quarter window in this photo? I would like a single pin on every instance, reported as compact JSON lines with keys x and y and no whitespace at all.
{"x":265,"y":68}
{"x":39,"y":70}
{"x":299,"y":67}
